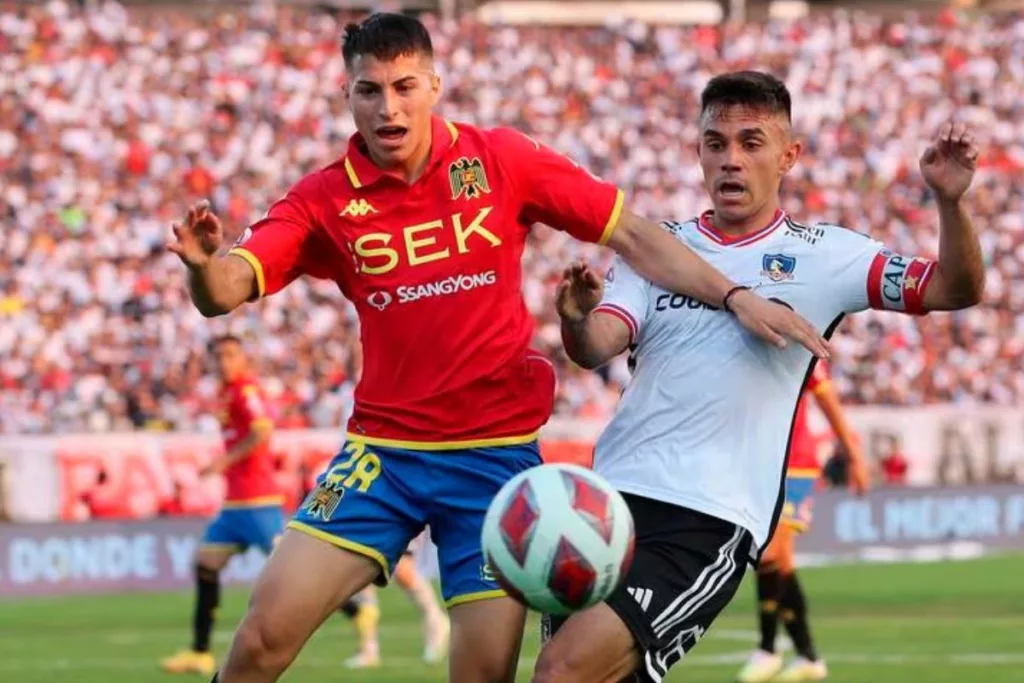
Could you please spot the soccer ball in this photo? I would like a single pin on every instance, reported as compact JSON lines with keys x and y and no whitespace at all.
{"x":558,"y":538}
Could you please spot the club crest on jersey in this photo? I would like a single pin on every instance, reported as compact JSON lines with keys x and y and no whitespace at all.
{"x":778,"y":267}
{"x":468,"y":178}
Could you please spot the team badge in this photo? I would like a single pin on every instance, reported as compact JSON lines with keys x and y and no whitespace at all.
{"x":323,"y":501}
{"x":467,"y":177}
{"x":778,"y":267}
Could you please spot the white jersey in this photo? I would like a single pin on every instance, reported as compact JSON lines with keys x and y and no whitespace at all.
{"x":706,"y":420}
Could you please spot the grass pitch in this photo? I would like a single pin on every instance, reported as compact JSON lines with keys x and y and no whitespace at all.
{"x":940,"y":623}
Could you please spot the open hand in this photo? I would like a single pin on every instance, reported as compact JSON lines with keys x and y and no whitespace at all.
{"x":774,"y":323}
{"x":579,"y":292}
{"x":199,"y":237}
{"x":948,"y":164}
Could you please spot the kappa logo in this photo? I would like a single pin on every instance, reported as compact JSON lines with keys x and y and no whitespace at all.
{"x":379,"y":300}
{"x":358,"y":208}
{"x":468,"y":178}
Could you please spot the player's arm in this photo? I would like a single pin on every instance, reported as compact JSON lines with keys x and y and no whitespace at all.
{"x":948,"y":167}
{"x":591,"y":335}
{"x":271,"y":253}
{"x":827,"y":399}
{"x":559,"y":193}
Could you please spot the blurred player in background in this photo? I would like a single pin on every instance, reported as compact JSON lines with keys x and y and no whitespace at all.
{"x":422,"y":225}
{"x":779,"y":594}
{"x":251,"y":514}
{"x":699,"y":442}
{"x":365,"y":613}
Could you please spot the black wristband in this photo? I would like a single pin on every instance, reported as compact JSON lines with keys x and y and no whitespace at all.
{"x":729,"y":295}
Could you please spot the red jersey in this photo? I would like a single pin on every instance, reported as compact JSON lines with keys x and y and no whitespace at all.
{"x":434,"y":270}
{"x":803,"y":455}
{"x":250,"y":481}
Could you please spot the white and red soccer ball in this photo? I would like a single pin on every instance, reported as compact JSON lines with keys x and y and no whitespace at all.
{"x":559,"y":538}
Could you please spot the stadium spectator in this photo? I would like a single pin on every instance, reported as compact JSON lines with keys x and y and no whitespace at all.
{"x":119,"y":119}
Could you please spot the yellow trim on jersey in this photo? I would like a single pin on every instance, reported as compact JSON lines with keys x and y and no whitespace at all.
{"x":475,"y":597}
{"x":262,"y":422}
{"x":344,"y":543}
{"x":444,"y":445}
{"x":803,"y":473}
{"x":262,"y":501}
{"x":261,"y":283}
{"x":613,"y":219}
{"x":453,"y":130}
{"x":352,"y":177}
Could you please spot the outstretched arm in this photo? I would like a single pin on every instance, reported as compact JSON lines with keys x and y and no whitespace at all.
{"x":948,"y":166}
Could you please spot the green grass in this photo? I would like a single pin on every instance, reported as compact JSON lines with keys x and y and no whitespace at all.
{"x":940,"y":623}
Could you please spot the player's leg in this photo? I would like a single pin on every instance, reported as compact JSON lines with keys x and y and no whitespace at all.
{"x":486,"y":625}
{"x":364,"y":612}
{"x":687,"y":567}
{"x":350,"y":531}
{"x":806,"y":666}
{"x":436,"y":628}
{"x":222,"y":540}
{"x":765,"y":663}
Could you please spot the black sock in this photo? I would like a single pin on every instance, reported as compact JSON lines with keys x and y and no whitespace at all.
{"x":216,"y":678}
{"x":794,"y":616}
{"x":207,"y":601}
{"x":769,"y":592}
{"x":350,"y":609}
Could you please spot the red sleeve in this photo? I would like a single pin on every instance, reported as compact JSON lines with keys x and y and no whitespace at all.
{"x":281,"y":246}
{"x":898,"y":283}
{"x":556,"y":191}
{"x":249,"y":407}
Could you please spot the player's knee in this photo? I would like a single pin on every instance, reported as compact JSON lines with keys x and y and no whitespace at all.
{"x":558,"y":665}
{"x":260,"y":645}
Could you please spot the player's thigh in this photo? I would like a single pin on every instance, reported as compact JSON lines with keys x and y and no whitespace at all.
{"x":305,"y":580}
{"x":463,"y":485}
{"x":592,"y":646}
{"x":486,"y":639}
{"x":686,"y":569}
{"x":363,"y":503}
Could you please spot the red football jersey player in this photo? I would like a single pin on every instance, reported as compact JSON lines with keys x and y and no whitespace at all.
{"x":248,"y":472}
{"x":422,"y":225}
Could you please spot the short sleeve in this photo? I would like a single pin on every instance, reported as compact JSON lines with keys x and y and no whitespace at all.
{"x":281,"y":246}
{"x":625,"y":296}
{"x":557,"y":191}
{"x":867,"y":275}
{"x":250,"y":406}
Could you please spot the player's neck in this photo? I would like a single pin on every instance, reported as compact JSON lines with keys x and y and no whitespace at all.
{"x":759,"y":220}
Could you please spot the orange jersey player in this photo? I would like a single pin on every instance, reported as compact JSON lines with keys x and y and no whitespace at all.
{"x":422,"y":224}
{"x":251,"y":514}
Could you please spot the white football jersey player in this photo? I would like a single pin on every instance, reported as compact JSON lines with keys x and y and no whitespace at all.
{"x":706,"y":420}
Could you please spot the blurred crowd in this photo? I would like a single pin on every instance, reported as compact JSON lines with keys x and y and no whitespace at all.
{"x":112,"y":122}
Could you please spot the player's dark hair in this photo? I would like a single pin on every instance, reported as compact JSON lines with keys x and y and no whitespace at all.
{"x":386,"y":36}
{"x":224,"y":339}
{"x":753,"y":89}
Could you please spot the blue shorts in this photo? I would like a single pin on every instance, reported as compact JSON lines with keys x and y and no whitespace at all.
{"x":796,"y":511}
{"x":242,"y":527}
{"x":374,"y":500}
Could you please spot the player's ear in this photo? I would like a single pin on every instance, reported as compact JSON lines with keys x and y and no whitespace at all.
{"x":345,"y":90}
{"x":435,"y":88}
{"x":790,"y":155}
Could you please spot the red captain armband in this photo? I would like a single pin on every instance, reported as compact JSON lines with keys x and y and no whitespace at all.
{"x":898,"y":283}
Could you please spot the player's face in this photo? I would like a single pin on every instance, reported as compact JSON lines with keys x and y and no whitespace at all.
{"x":391,"y":102}
{"x":230,"y":360}
{"x":745,"y":153}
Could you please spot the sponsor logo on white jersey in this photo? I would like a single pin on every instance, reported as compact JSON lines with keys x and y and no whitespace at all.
{"x":449,"y":285}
